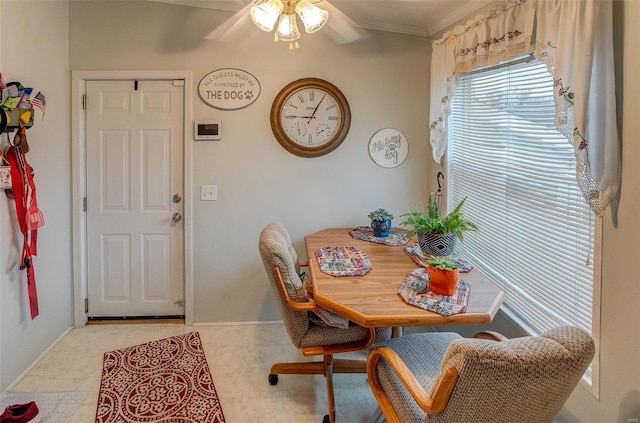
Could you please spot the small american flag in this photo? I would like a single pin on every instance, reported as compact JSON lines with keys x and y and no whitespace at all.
{"x":40,"y":103}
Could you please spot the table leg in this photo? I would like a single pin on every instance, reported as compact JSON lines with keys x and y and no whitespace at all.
{"x":396,"y":332}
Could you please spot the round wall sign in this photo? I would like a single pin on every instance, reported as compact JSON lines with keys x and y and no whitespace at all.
{"x":229,"y":89}
{"x":388,"y":147}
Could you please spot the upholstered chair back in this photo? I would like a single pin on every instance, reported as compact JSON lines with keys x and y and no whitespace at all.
{"x":279,"y":227}
{"x":276,"y":251}
{"x":524,"y":379}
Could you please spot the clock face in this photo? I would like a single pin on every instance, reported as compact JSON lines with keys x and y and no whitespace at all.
{"x":310,"y":117}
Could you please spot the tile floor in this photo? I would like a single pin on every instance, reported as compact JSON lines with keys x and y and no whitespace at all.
{"x":239,"y":357}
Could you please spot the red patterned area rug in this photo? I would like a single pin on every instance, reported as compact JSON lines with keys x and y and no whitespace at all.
{"x":160,"y":381}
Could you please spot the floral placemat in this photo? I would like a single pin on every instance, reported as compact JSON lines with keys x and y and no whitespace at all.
{"x":365,"y":233}
{"x":343,"y":261}
{"x":415,"y":291}
{"x":413,"y":250}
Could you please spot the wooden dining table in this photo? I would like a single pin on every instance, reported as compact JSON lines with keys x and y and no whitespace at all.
{"x":372,"y":300}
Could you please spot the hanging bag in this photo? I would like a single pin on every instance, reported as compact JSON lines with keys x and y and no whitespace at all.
{"x":24,"y":191}
{"x":20,"y":139}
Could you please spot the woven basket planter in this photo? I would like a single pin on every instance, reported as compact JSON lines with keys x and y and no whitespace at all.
{"x":437,"y":244}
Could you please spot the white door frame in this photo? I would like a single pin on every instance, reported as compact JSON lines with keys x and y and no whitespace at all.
{"x":79,"y":181}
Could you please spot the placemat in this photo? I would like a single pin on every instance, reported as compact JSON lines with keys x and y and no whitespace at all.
{"x":415,"y":291}
{"x":365,"y":233}
{"x":414,"y":251}
{"x":343,"y":261}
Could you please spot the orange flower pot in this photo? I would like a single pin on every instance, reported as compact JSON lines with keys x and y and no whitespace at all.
{"x":443,"y":282}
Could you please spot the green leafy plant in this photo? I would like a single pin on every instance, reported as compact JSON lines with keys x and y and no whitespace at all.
{"x":442,"y":263}
{"x":433,"y":222}
{"x":380,"y":215}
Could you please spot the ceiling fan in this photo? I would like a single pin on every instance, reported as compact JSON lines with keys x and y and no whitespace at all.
{"x":281,"y":18}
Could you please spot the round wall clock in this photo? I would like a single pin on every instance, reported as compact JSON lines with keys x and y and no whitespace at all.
{"x":310,"y":117}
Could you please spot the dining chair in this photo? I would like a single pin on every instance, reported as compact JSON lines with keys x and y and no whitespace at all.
{"x":442,"y":377}
{"x":310,"y":336}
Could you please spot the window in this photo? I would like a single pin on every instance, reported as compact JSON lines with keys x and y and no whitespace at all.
{"x":536,"y":237}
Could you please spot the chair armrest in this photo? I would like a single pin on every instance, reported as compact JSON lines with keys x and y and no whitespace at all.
{"x":312,"y":306}
{"x":294,"y":305}
{"x":341,"y":348}
{"x":431,"y":405}
{"x":494,"y":336}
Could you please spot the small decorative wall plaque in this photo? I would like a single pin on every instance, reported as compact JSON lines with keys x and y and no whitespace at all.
{"x":5,"y":177}
{"x":229,"y":89}
{"x":388,"y":147}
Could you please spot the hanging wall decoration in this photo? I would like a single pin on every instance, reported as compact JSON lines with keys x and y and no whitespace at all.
{"x":5,"y":173}
{"x":17,"y":104}
{"x":388,"y":147}
{"x":229,"y":89}
{"x":310,"y":117}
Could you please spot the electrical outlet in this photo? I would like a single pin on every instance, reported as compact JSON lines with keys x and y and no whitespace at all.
{"x":208,"y":192}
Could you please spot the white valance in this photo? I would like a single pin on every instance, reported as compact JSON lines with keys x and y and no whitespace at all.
{"x":574,"y":39}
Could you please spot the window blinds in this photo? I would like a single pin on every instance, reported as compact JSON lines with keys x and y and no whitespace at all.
{"x":535,"y":233}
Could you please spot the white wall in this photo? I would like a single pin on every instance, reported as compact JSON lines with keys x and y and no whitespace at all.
{"x":34,"y":50}
{"x":385,"y":79}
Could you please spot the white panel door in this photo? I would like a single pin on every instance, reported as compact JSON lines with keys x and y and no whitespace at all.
{"x":135,"y":263}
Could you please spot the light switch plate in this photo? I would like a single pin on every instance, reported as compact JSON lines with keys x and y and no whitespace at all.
{"x":208,"y":192}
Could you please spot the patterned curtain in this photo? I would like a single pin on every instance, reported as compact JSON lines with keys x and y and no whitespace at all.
{"x":574,"y":39}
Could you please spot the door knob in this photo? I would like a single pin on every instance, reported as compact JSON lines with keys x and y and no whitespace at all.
{"x":177,"y":217}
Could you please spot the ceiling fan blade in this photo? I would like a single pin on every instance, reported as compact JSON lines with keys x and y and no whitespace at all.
{"x":340,"y":27}
{"x":233,"y":26}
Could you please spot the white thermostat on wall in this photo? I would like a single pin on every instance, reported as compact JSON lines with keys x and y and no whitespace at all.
{"x":207,"y":130}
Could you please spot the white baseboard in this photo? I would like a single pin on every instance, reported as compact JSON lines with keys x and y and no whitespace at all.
{"x":37,"y":360}
{"x":252,"y":323}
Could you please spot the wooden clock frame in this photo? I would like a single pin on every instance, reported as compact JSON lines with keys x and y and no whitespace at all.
{"x":294,"y":147}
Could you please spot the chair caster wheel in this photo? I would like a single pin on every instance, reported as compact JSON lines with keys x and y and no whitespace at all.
{"x":273,"y":379}
{"x":326,"y":419}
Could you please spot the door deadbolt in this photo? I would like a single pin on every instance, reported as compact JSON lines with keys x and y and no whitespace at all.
{"x":176,"y":198}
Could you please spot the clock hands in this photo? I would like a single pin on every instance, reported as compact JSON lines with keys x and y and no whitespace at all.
{"x":303,"y":117}
{"x":316,"y":109}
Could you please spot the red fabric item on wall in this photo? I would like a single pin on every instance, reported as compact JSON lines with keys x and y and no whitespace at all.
{"x":24,"y":191}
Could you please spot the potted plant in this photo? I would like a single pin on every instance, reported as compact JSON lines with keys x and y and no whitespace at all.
{"x":381,"y":222}
{"x":437,"y":234}
{"x":443,"y":275}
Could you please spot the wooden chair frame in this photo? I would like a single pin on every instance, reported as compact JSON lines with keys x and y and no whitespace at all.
{"x":329,"y":365}
{"x":431,"y":405}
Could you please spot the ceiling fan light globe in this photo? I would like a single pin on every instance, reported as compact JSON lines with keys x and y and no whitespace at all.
{"x":312,"y":16}
{"x":288,"y":27}
{"x":264,"y":14}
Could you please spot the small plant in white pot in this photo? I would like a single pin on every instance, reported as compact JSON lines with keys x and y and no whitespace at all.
{"x":381,"y":222}
{"x":437,"y":234}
